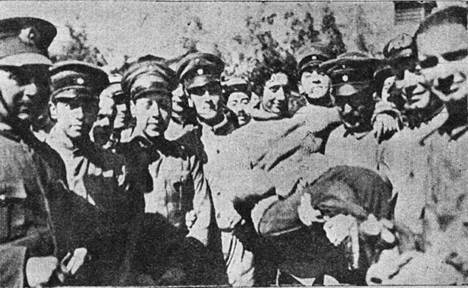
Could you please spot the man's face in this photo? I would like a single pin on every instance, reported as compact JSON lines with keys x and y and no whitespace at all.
{"x":75,"y":116}
{"x":442,"y":53}
{"x":315,"y":84}
{"x":153,"y":113}
{"x":25,"y":91}
{"x":207,"y":100}
{"x":179,"y":100}
{"x":276,"y":94}
{"x":122,"y":116}
{"x":103,"y":126}
{"x":355,"y":110}
{"x":238,"y":102}
{"x":416,"y":96}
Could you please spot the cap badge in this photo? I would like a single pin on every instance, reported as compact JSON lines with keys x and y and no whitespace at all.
{"x":200,"y":71}
{"x":314,"y":57}
{"x":80,"y":81}
{"x":345,"y":78}
{"x":29,"y":36}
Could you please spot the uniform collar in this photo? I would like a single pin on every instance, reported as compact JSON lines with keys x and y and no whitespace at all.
{"x":8,"y":132}
{"x":224,"y":127}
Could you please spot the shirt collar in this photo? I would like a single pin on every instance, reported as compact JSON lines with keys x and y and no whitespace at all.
{"x":222,"y":128}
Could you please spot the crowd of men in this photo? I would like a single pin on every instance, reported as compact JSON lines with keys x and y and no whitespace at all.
{"x":163,"y":177}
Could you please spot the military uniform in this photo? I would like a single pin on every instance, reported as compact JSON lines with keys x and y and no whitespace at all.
{"x":174,"y":185}
{"x":26,"y":179}
{"x":351,"y":74}
{"x":106,"y":204}
{"x":403,"y":159}
{"x":239,"y":261}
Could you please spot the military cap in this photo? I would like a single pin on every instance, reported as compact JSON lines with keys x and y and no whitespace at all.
{"x":77,"y":75}
{"x":236,"y":84}
{"x":146,"y":74}
{"x":198,"y":69}
{"x":312,"y":55}
{"x":350,"y":72}
{"x":400,"y":46}
{"x":25,"y":40}
{"x":114,"y":90}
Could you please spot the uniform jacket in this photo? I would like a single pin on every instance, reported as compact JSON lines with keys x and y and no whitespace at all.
{"x":104,"y":204}
{"x":175,"y":184}
{"x":26,"y":227}
{"x":403,"y":159}
{"x":357,"y":149}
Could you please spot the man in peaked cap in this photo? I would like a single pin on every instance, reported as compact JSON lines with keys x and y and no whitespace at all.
{"x":443,"y":63}
{"x":28,"y":242}
{"x":352,"y":78}
{"x":105,"y":203}
{"x":200,"y":74}
{"x":238,"y":95}
{"x":173,"y":181}
{"x":402,"y":157}
{"x":112,"y":126}
{"x":314,"y":82}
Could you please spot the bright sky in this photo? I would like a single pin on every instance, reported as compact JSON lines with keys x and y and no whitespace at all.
{"x":134,"y":27}
{"x":138,"y":27}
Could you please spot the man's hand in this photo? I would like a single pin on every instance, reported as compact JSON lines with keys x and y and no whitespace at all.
{"x":75,"y":262}
{"x":228,"y":218}
{"x":40,"y":269}
{"x":190,"y":219}
{"x":385,"y":126}
{"x":338,"y":228}
{"x":308,"y":214}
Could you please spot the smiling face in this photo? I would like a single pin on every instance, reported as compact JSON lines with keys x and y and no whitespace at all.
{"x":444,"y":62}
{"x":152,"y":113}
{"x":316,"y":84}
{"x":25,"y":92}
{"x":276,"y":94}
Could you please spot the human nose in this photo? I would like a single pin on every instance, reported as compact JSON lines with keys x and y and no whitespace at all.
{"x":280,"y":94}
{"x":206,"y":95}
{"x":79,"y":112}
{"x":155,"y":110}
{"x":31,"y":89}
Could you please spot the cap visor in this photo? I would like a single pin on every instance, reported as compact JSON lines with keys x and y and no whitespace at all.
{"x":25,"y":59}
{"x":312,"y":65}
{"x":201,"y":81}
{"x":75,"y":93}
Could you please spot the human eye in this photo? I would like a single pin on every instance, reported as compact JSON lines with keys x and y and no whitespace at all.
{"x":274,"y":89}
{"x":198,"y":91}
{"x":455,"y":55}
{"x":429,"y":62}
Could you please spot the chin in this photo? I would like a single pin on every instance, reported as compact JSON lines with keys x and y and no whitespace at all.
{"x":208,"y":116}
{"x":24,"y":118}
{"x":243,"y":122}
{"x":75,"y":135}
{"x":154,"y":133}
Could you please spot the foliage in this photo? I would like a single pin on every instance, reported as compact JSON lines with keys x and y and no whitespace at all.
{"x":79,"y":48}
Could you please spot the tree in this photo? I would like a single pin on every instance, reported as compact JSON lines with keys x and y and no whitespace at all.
{"x":79,"y":48}
{"x":331,"y":32}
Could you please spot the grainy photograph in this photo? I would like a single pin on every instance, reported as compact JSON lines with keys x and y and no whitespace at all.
{"x":232,"y":143}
